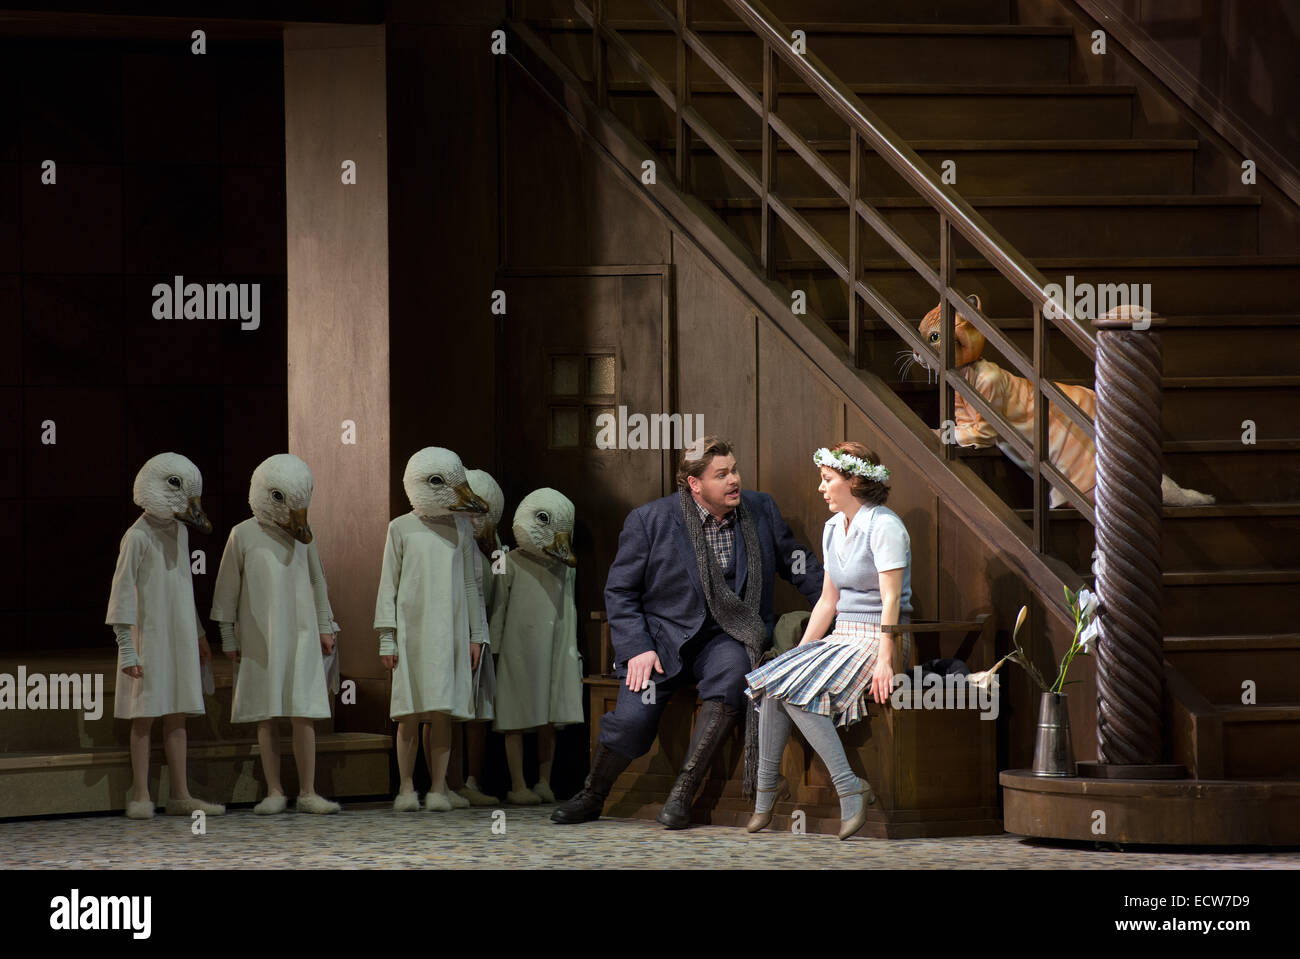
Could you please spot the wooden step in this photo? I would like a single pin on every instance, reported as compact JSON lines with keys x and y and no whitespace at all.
{"x":1199,"y":285}
{"x":1193,"y":408}
{"x":1213,"y":602}
{"x":1261,"y":740}
{"x":982,"y":167}
{"x":1207,"y":351}
{"x":1220,"y":666}
{"x":1037,"y":226}
{"x":1237,"y":538}
{"x":53,"y":730}
{"x":1046,"y":111}
{"x":801,"y":12}
{"x":1232,"y":577}
{"x":854,"y":52}
{"x":348,"y":765}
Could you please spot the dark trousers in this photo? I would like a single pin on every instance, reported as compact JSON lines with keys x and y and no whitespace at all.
{"x":714,"y":660}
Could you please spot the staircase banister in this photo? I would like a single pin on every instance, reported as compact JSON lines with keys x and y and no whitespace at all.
{"x":905,"y":161}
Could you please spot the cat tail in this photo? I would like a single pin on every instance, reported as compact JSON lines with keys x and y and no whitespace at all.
{"x":1171,"y":494}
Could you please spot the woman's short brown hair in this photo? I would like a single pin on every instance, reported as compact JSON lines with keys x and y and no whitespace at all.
{"x":696,"y":457}
{"x":873,"y":492}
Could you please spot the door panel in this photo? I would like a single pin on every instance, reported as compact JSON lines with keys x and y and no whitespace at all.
{"x":568,"y":348}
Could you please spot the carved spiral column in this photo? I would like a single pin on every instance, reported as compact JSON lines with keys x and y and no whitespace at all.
{"x":1128,"y":510}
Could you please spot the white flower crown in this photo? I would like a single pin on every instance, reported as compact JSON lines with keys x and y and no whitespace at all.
{"x":848,"y":463}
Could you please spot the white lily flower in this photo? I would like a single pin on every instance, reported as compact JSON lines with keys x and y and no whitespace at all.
{"x":1087,"y":603}
{"x":1087,"y":636}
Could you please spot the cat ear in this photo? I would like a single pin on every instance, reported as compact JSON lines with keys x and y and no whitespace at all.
{"x":974,"y":301}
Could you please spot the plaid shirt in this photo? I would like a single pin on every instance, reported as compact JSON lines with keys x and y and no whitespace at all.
{"x":719,"y":534}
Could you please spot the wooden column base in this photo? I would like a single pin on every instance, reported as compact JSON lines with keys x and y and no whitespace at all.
{"x":1189,"y":812}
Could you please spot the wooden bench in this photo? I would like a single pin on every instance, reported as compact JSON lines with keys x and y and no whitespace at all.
{"x":934,"y":771}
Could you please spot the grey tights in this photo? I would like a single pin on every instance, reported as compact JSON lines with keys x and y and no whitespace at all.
{"x":775,"y":717}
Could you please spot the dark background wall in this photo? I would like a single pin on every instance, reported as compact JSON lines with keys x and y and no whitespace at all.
{"x":167,"y":163}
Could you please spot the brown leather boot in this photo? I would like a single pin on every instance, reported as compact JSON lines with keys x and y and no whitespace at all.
{"x":712,"y":725}
{"x":590,"y":800}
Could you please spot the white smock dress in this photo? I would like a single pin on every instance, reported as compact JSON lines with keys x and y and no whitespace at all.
{"x":153,"y":593}
{"x":272,"y":588}
{"x":429,"y":596}
{"x":535,"y":633}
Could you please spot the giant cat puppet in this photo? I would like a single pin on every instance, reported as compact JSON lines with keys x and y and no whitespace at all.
{"x":1069,"y":448}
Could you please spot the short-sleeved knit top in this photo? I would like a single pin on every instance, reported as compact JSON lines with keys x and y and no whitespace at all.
{"x":876,"y":541}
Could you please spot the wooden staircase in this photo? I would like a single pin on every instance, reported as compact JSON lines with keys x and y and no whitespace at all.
{"x":1082,"y":182}
{"x":44,"y":775}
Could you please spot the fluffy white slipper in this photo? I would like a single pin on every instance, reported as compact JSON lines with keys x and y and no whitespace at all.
{"x":437,"y":802}
{"x":523,"y":797}
{"x":312,"y":803}
{"x":544,"y":791}
{"x":457,"y":800}
{"x":406,"y":802}
{"x":186,"y":807}
{"x":270,"y":806}
{"x":139,"y":810}
{"x":476,"y":797}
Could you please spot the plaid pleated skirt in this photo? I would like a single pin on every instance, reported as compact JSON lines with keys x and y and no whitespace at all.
{"x":831,"y":677}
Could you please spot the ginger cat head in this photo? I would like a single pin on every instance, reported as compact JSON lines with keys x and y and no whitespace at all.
{"x":970,"y":341}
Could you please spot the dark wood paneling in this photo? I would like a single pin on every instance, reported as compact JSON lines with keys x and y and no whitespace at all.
{"x":616,"y":313}
{"x":74,"y":225}
{"x":567,"y":206}
{"x":715,"y":354}
{"x":443,"y":247}
{"x":798,"y":411}
{"x":70,"y":98}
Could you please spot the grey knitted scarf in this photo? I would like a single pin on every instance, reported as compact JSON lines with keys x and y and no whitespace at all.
{"x":739,"y":618}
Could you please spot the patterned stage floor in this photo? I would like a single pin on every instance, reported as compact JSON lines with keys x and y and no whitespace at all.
{"x":374,"y":837}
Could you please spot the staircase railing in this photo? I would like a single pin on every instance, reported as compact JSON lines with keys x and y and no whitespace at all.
{"x":954,"y":213}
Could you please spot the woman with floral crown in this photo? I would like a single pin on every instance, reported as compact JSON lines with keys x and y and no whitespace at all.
{"x":826,"y":680}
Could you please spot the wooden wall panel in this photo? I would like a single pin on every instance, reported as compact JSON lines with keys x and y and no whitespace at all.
{"x":568,"y":206}
{"x":444,"y":234}
{"x":798,"y":411}
{"x":714,"y":350}
{"x":338,"y":321}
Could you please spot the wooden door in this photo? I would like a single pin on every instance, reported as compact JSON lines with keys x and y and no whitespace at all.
{"x":573,"y":344}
